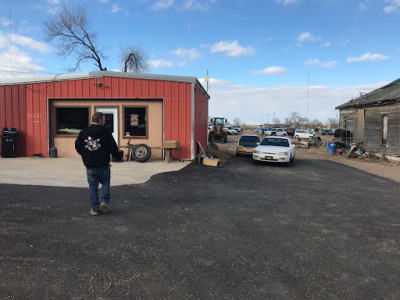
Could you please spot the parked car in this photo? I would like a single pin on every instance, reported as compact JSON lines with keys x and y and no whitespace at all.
{"x":258,"y":129}
{"x":231,"y":130}
{"x":290,"y":131}
{"x":304,"y":134}
{"x":275,"y":132}
{"x":237,"y":128}
{"x":326,"y":131}
{"x":246,"y":144}
{"x":275,"y":149}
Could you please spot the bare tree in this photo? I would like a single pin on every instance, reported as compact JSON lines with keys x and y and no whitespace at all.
{"x":293,"y":119}
{"x":71,"y":30}
{"x":332,"y":122}
{"x":317,"y":123}
{"x":134,"y":59}
{"x":276,"y":121}
{"x":236,"y":122}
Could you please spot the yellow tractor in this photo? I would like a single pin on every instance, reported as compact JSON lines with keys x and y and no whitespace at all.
{"x":218,"y":132}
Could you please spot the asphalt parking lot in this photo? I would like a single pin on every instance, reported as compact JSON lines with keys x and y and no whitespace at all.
{"x":317,"y":230}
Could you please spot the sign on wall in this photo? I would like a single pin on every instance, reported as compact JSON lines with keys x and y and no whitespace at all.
{"x":134,"y":119}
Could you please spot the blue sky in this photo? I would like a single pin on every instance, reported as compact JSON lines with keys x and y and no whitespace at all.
{"x":265,"y":58}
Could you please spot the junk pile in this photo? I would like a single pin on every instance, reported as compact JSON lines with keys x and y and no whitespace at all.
{"x":211,"y":156}
{"x":355,"y":149}
{"x":311,"y":143}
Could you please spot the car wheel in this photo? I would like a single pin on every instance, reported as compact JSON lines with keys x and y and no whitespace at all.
{"x":296,"y":136}
{"x":141,"y":153}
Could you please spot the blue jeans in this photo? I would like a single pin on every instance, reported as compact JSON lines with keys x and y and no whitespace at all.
{"x":94,"y":177}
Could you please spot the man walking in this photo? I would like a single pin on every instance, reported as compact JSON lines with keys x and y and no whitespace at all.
{"x":95,"y":144}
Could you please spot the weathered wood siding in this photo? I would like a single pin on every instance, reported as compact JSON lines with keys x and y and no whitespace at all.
{"x":348,"y":121}
{"x":371,"y":130}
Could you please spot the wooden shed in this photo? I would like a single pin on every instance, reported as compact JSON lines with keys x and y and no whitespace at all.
{"x":374,"y":118}
{"x":145,"y":108}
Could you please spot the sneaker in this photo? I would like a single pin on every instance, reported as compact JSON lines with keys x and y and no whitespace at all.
{"x":105,"y":207}
{"x":94,"y":213}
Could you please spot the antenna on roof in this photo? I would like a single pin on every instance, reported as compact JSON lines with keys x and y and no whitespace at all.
{"x":207,"y":79}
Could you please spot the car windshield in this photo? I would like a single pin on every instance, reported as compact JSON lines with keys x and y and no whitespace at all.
{"x":252,"y":139}
{"x":275,"y":142}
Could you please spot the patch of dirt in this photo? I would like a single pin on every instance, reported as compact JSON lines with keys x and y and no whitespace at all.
{"x":371,"y":164}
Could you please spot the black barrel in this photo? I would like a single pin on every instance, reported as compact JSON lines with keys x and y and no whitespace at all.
{"x":9,"y":139}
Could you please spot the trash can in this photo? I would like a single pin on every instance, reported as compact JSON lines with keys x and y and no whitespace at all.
{"x":9,"y":138}
{"x":331,"y":148}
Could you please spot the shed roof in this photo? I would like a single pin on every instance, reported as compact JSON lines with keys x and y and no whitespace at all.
{"x":387,"y":94}
{"x":99,"y":74}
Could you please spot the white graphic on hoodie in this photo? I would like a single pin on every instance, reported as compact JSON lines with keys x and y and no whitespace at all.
{"x":92,"y":144}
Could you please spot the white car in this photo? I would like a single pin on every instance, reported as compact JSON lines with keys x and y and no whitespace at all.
{"x":276,"y":132}
{"x":304,"y":134}
{"x":275,"y":149}
{"x":231,"y":130}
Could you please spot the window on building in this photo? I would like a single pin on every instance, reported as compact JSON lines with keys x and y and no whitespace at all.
{"x":135,"y":121}
{"x":384,"y":129}
{"x":71,"y":120}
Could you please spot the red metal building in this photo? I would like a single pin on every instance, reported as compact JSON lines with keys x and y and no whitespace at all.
{"x":149,"y":108}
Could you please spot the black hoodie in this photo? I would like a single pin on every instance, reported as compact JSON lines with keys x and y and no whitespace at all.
{"x":95,"y":144}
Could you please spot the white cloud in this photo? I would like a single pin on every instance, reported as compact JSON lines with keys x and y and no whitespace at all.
{"x":183,"y":5}
{"x":313,"y":62}
{"x":115,"y":8}
{"x":240,"y":101}
{"x":393,"y":6}
{"x":219,"y":84}
{"x":326,"y":64}
{"x":194,"y":5}
{"x":23,"y":41}
{"x":327,"y":44}
{"x":232,"y":48}
{"x":53,"y":2}
{"x":330,"y":64}
{"x":162,"y":4}
{"x":160,"y":63}
{"x":286,"y":2}
{"x":15,"y":62}
{"x":368,"y":57}
{"x":364,"y":5}
{"x":271,"y":71}
{"x":190,"y":54}
{"x":5,"y":22}
{"x":307,"y":37}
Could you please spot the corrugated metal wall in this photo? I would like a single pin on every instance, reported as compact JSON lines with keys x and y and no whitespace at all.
{"x":201,"y":118}
{"x":25,"y":107}
{"x":13,"y":113}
